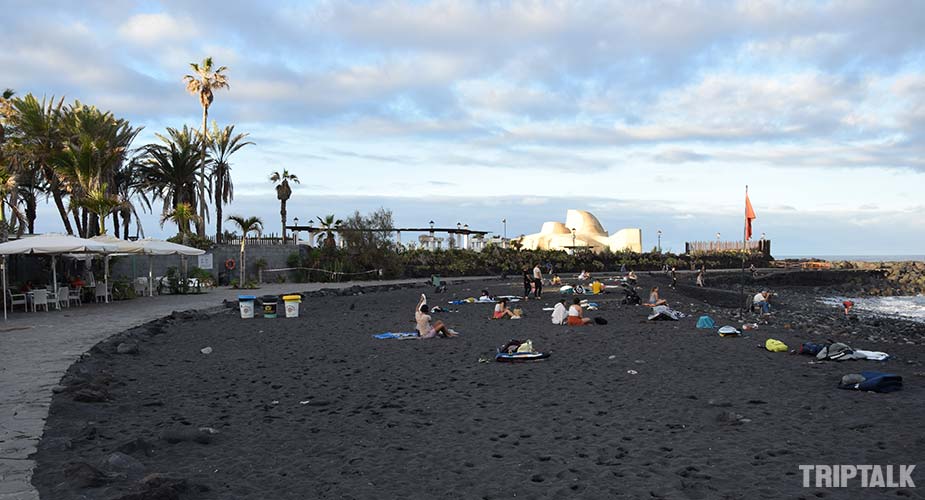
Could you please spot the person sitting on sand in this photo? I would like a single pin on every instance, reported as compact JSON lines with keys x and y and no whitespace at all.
{"x":654,"y":299}
{"x":631,"y":278}
{"x":584,"y":276}
{"x":425,"y":329}
{"x":556,"y":280}
{"x":761,"y":301}
{"x":576,"y":314}
{"x":559,"y":313}
{"x":501,"y":310}
{"x":597,"y":287}
{"x":486,"y":297}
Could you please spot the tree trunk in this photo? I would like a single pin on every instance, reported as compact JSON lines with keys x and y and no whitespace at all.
{"x":77,"y":222}
{"x":94,"y":224}
{"x":201,"y":223}
{"x":125,"y":223}
{"x":31,"y":212}
{"x":59,"y":201}
{"x":219,"y":185}
{"x":282,"y":214}
{"x":115,"y":225}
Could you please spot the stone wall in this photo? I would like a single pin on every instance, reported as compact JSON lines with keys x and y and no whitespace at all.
{"x":275,"y":256}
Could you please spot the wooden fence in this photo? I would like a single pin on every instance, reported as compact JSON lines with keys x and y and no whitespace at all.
{"x":265,"y":240}
{"x":753,"y":246}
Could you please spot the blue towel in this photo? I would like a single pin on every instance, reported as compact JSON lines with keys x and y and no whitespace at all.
{"x":395,"y":335}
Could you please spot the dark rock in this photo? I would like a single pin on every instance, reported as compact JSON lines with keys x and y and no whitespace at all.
{"x":121,"y":463}
{"x":179,"y":435}
{"x":84,"y":475}
{"x":136,"y":445}
{"x":127,"y":348}
{"x":88,"y":395}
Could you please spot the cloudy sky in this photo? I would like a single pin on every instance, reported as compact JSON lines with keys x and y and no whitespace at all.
{"x":649,"y":114}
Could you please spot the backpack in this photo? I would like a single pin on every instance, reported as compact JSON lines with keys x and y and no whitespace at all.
{"x":810,"y":348}
{"x":872,"y":381}
{"x":706,"y":322}
{"x":835,"y":351}
{"x":775,"y":345}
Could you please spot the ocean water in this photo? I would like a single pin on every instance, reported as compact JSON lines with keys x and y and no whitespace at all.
{"x":859,"y":258}
{"x":909,"y":308}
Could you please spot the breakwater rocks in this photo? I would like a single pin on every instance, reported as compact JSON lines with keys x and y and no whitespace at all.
{"x":846,"y":278}
{"x":890,"y":278}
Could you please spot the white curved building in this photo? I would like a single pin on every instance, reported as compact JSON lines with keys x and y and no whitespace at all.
{"x":588,"y":232}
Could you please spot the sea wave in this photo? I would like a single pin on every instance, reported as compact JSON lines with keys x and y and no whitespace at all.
{"x":909,"y":307}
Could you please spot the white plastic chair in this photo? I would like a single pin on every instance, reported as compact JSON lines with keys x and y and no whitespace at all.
{"x":17,"y":299}
{"x":73,"y":295}
{"x":101,"y":292}
{"x":141,"y":287}
{"x":39,"y":298}
{"x":62,"y":296}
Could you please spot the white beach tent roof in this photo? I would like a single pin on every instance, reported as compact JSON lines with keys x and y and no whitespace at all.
{"x":123,"y":246}
{"x":54,"y":244}
{"x":151,"y":246}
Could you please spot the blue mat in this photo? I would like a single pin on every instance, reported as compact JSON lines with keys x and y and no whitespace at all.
{"x":395,"y":335}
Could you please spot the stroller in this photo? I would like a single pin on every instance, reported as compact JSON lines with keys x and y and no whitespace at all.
{"x":631,"y":298}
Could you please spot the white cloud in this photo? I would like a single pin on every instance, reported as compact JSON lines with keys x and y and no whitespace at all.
{"x":155,"y":29}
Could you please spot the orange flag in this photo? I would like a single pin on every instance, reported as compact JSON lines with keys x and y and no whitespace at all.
{"x":749,"y":216}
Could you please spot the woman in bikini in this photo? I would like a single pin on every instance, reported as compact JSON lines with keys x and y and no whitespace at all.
{"x":501,"y":310}
{"x":576,"y":314}
{"x":425,"y":329}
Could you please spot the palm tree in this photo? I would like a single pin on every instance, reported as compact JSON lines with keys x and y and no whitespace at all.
{"x":168,"y":170}
{"x":6,"y":111}
{"x":101,"y":203}
{"x":36,"y":141}
{"x":202,"y":83}
{"x":7,"y":189}
{"x":329,"y":227}
{"x":283,"y":192}
{"x":247,"y":226}
{"x":181,"y":215}
{"x":223,"y":143}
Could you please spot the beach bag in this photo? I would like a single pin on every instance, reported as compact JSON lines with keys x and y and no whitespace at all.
{"x":706,"y":322}
{"x":526,"y":346}
{"x":775,"y":345}
{"x":810,"y":348}
{"x":836,"y":351}
{"x":566,"y":290}
{"x":728,"y":331}
{"x":872,"y":381}
{"x":600,"y":321}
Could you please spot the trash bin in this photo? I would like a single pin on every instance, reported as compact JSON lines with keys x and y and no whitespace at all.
{"x":269,"y":303}
{"x":292,"y":305}
{"x":246,"y":305}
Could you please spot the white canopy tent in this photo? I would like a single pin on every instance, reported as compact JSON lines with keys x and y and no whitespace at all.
{"x":122,"y":247}
{"x":53,"y":245}
{"x":151,"y":246}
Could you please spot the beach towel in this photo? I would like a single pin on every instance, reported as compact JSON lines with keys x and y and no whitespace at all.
{"x":706,"y":322}
{"x":395,"y":335}
{"x":872,"y":381}
{"x":662,"y":313}
{"x":775,"y":345}
{"x":871,"y":355}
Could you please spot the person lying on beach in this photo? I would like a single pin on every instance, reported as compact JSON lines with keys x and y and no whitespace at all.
{"x":501,"y":311}
{"x":425,"y":329}
{"x":576,"y":314}
{"x":761,"y":301}
{"x":654,"y":299}
{"x":486,"y":297}
{"x":559,"y":313}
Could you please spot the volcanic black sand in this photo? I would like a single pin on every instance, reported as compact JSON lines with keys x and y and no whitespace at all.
{"x":315,"y":408}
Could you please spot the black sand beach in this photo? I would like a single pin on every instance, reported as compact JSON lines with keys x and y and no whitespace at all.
{"x":315,"y":408}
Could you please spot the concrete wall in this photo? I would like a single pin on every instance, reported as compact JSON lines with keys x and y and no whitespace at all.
{"x":274,"y":255}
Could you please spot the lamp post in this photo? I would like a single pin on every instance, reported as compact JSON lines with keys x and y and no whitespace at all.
{"x":573,"y":240}
{"x":465,"y":236}
{"x":433,"y":241}
{"x":311,"y":232}
{"x":295,"y":232}
{"x":717,"y":241}
{"x":458,"y":237}
{"x":659,"y":241}
{"x":504,"y":234}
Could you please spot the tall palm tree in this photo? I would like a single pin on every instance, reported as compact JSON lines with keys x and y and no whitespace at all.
{"x":329,"y":227}
{"x":223,"y":143}
{"x":168,"y":170}
{"x":7,"y":189}
{"x":36,"y":141}
{"x":247,"y":226}
{"x":283,"y":192}
{"x":181,"y":215}
{"x":202,"y":83}
{"x":6,"y":111}
{"x":128,"y":184}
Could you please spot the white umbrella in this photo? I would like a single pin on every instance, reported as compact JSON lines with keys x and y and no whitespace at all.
{"x":122,"y":246}
{"x":51,"y":244}
{"x":151,"y":246}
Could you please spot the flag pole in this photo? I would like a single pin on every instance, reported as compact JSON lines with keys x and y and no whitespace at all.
{"x":744,"y":251}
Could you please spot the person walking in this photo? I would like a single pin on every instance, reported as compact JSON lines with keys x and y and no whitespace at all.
{"x":538,"y":281}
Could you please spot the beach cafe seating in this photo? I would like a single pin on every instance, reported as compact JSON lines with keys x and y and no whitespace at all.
{"x":63,"y":297}
{"x":102,"y":292}
{"x":17,"y":299}
{"x":141,"y":286}
{"x":39,"y":298}
{"x":73,"y":295}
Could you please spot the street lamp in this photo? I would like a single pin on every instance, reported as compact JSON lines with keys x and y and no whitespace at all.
{"x":573,"y":240}
{"x":295,"y":232}
{"x":659,"y":241}
{"x":717,"y":241}
{"x":504,"y":235}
